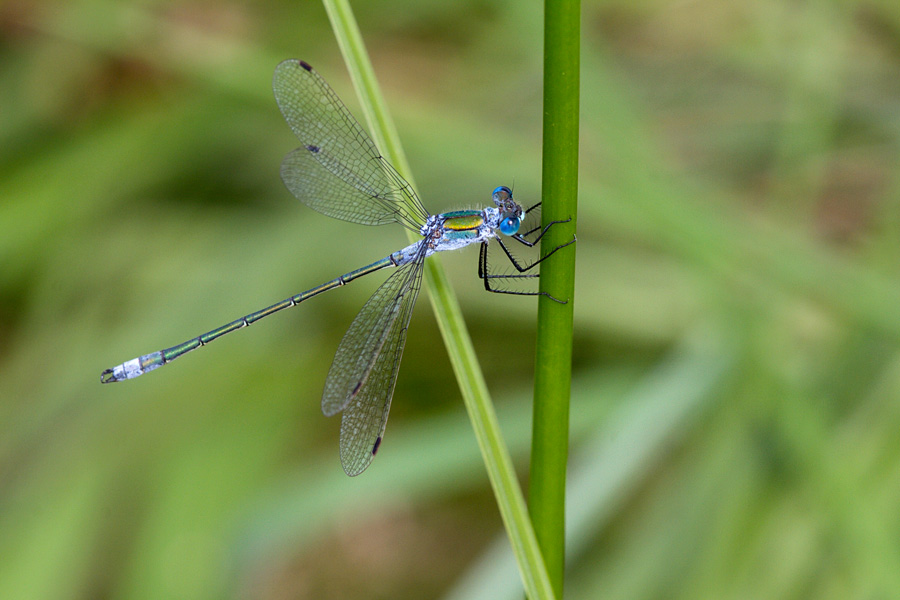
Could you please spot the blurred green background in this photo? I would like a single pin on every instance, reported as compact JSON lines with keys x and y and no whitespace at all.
{"x":737,"y":368}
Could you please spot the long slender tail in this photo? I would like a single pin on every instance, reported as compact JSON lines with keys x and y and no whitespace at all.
{"x":154,"y":360}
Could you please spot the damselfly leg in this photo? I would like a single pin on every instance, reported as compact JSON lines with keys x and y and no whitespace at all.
{"x":503,"y":283}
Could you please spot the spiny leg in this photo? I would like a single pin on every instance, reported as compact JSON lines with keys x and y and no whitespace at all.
{"x":486,"y":276}
{"x":520,"y":237}
{"x":522,"y":269}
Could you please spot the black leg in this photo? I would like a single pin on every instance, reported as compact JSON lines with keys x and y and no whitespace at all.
{"x":522,"y":269}
{"x":486,"y":276}
{"x":482,"y":266}
{"x":521,"y":237}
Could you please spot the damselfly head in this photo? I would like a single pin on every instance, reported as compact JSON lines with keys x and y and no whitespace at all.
{"x":510,"y":211}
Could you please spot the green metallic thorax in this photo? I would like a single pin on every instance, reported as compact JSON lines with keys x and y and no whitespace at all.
{"x":462,"y":223}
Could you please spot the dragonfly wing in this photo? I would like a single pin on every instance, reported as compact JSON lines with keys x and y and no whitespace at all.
{"x":362,"y":377}
{"x":373,"y":192}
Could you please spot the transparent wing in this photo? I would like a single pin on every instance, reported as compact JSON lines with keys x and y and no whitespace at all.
{"x":338,"y":170}
{"x":362,"y":376}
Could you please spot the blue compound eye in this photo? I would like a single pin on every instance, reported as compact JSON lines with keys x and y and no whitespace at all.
{"x":501,"y":193}
{"x":510,"y":225}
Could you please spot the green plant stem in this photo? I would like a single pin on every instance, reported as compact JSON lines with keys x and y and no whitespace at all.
{"x":553,"y":363}
{"x":510,"y":499}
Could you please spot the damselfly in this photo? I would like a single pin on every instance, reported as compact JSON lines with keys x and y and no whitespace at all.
{"x":339,"y":172}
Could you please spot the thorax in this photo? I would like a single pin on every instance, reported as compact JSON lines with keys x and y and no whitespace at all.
{"x":459,"y":228}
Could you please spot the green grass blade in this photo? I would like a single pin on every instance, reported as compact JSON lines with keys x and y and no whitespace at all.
{"x":510,"y":499}
{"x":553,"y":370}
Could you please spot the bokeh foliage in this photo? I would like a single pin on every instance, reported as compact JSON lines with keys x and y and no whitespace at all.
{"x":737,"y":385}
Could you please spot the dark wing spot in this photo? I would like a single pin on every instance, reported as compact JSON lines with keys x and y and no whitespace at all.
{"x":305,"y":65}
{"x":356,"y":389}
{"x":375,"y":447}
{"x":313,"y":149}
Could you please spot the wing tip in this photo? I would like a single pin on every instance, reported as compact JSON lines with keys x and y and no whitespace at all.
{"x":305,"y":65}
